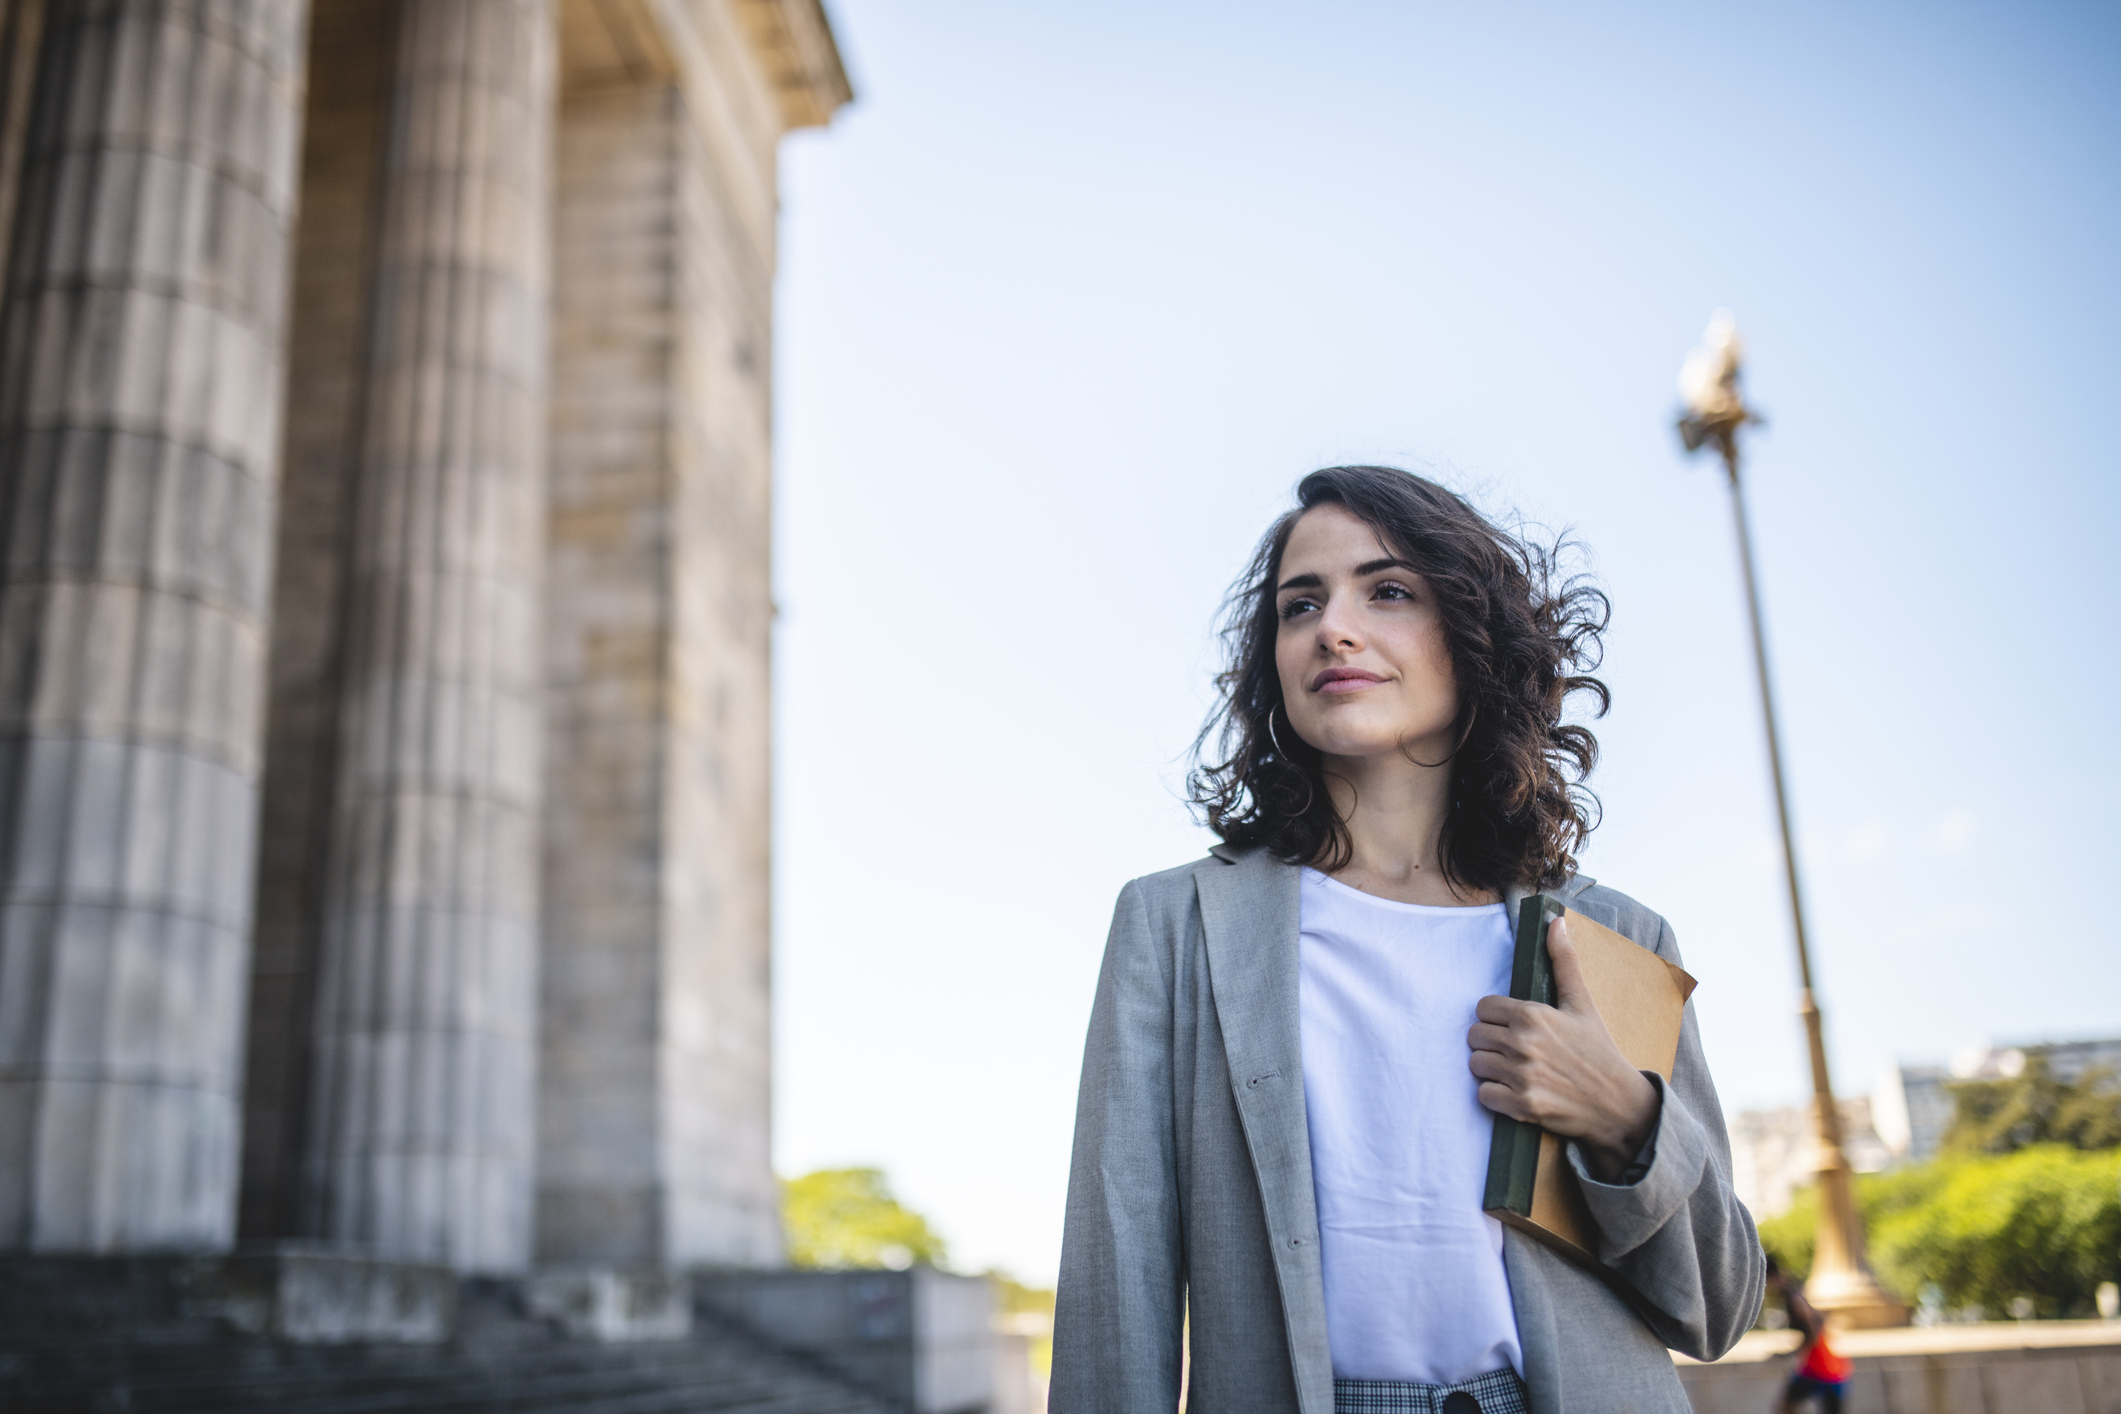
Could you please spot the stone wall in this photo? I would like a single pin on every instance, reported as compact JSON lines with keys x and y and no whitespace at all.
{"x":925,"y":1340}
{"x":717,"y":1062}
{"x":2016,"y":1367}
{"x":601,"y":1175}
{"x":657,"y":1052}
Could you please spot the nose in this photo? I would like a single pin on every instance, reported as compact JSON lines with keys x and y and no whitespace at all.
{"x":1339,"y":625}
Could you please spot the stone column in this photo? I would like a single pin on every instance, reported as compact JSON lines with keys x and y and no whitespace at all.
{"x":656,"y":1088}
{"x":422,"y":1115}
{"x":140,"y":384}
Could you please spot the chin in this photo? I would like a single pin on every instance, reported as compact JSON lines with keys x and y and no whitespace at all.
{"x":1366,"y":751}
{"x":1351,"y":741}
{"x":1352,"y":744}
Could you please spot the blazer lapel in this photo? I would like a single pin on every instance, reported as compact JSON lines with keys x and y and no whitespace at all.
{"x":1516,"y":894}
{"x":1249,"y":913}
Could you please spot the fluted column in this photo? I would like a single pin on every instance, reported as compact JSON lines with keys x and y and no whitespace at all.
{"x":140,"y":383}
{"x":422,"y":1118}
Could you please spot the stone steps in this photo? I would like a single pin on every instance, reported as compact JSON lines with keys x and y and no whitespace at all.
{"x":379,"y":1380}
{"x":119,"y":1344}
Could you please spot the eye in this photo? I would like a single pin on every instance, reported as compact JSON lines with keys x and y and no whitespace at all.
{"x":1296,"y":607}
{"x":1390,"y":590}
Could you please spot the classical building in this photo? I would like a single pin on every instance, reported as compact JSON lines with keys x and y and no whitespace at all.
{"x":384,"y":619}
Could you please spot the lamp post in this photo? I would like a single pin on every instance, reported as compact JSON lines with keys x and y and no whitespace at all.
{"x":1840,"y":1284}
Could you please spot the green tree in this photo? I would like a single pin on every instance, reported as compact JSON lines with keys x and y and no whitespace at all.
{"x":1788,"y":1235}
{"x":2033,"y":1107}
{"x":2043,"y":1223}
{"x":1013,"y":1298}
{"x":848,"y":1218}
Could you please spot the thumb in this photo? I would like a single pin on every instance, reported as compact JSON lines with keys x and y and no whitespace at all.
{"x":1572,"y":992}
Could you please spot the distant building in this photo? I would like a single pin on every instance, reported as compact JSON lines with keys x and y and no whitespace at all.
{"x":2070,"y":1060}
{"x":1912,"y":1104}
{"x":1902,"y":1121}
{"x":1911,"y":1109}
{"x":1772,"y":1154}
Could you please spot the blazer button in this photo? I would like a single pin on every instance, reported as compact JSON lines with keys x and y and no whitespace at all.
{"x":1459,"y":1402}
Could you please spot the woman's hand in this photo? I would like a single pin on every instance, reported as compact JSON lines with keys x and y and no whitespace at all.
{"x":1558,"y":1067}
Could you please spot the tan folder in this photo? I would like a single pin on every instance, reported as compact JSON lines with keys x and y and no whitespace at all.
{"x":1642,"y":999}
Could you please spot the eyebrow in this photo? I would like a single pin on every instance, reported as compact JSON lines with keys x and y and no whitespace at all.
{"x":1312,"y":581}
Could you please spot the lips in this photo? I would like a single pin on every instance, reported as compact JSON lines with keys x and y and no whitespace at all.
{"x":1336,"y":680}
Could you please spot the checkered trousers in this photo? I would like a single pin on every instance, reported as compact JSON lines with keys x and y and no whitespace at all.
{"x":1497,"y":1392}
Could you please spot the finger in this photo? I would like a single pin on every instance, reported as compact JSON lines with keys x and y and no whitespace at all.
{"x":1490,"y":1066}
{"x":1499,"y":1011}
{"x":1492,"y":1038}
{"x":1501,"y":1099}
{"x":1571,"y":991}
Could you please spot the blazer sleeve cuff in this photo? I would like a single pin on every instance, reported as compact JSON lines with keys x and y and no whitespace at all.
{"x":1657,"y":1185}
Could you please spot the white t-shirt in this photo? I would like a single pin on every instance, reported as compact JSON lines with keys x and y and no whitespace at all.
{"x":1415,"y":1286}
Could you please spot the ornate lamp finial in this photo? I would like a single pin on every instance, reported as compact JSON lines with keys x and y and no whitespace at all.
{"x":1708,"y":381}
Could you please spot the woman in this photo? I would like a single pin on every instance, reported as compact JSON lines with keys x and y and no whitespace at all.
{"x":1282,"y":1134}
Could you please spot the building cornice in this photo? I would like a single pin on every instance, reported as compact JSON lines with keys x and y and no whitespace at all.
{"x":795,"y":46}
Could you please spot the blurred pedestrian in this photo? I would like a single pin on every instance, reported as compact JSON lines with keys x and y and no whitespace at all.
{"x":1821,"y":1372}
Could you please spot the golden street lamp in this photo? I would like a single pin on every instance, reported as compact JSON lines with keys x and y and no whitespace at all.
{"x":1841,"y":1284}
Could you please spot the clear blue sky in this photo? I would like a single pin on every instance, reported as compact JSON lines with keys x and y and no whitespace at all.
{"x":1076,"y":292}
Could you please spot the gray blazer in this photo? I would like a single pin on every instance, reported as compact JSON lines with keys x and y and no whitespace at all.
{"x":1190,"y":1200}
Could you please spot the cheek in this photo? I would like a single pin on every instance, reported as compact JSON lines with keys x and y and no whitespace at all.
{"x":1445,"y":681}
{"x":1426,"y":659}
{"x":1288,"y":664}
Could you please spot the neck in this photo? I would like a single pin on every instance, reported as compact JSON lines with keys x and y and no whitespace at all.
{"x":1395,"y":810}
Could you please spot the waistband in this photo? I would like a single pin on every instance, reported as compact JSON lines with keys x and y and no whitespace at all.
{"x":1496,"y":1392}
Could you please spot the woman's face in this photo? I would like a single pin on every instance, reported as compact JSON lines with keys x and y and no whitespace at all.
{"x":1360,"y":647}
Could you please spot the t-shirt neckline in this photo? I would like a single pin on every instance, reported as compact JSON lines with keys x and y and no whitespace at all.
{"x":1350,"y":891}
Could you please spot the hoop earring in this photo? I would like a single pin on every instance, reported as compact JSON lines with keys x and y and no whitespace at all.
{"x":1463,"y":737}
{"x":1310,"y":789}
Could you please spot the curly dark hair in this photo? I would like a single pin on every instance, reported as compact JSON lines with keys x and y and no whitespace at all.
{"x":1524,"y":636}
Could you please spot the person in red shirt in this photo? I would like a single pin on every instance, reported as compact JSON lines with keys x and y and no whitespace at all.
{"x":1821,"y":1373}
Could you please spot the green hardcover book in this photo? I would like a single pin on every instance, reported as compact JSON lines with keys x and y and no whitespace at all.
{"x":1513,"y":1157}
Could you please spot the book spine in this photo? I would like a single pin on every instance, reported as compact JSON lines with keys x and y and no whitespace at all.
{"x":1513,"y":1152}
